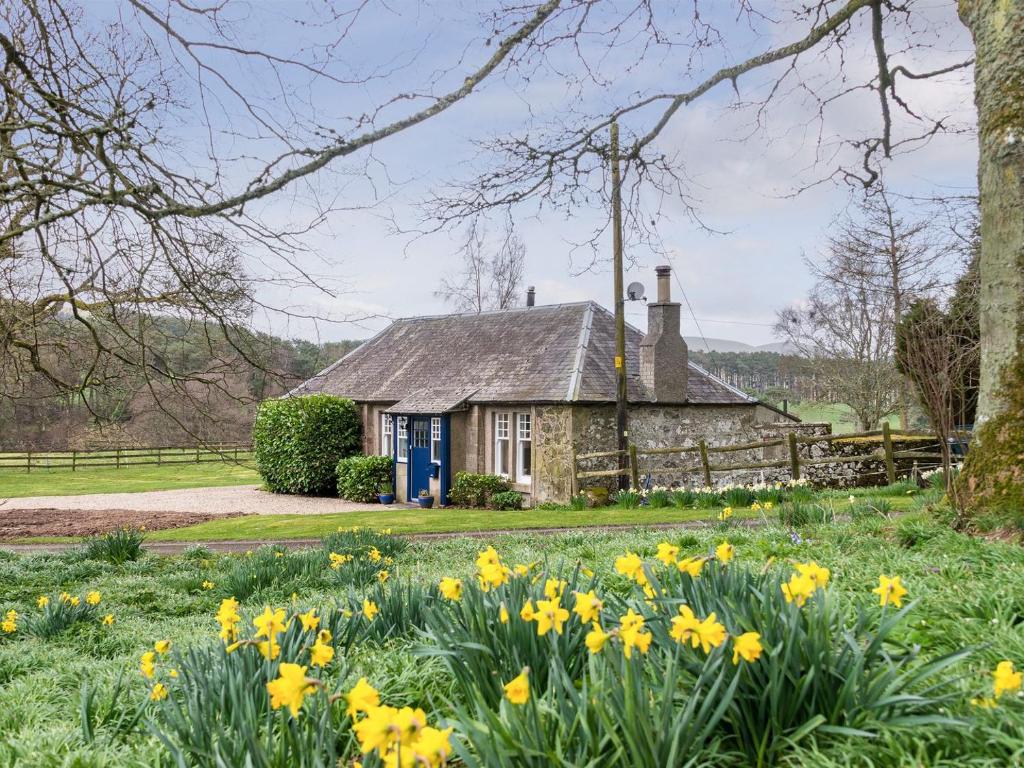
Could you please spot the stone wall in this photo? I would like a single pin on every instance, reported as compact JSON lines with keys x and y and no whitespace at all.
{"x":552,"y":453}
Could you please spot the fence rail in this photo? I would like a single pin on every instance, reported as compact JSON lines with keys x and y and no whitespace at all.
{"x":120,"y":458}
{"x":884,"y":454}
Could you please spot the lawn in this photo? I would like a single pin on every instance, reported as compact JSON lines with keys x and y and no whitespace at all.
{"x":838,"y":415}
{"x":64,"y":482}
{"x":962,"y":593}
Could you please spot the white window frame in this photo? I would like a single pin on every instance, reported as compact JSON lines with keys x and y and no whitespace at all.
{"x":503,"y":433}
{"x":386,"y":435}
{"x":435,"y":439}
{"x":403,"y":439}
{"x":524,"y":434}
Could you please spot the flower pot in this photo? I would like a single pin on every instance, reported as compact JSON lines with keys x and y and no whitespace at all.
{"x":425,"y":501}
{"x":386,"y":498}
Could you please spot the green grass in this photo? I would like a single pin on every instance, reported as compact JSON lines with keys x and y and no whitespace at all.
{"x":285,"y":527}
{"x":63,"y":482}
{"x":970,"y":593}
{"x":838,"y":415}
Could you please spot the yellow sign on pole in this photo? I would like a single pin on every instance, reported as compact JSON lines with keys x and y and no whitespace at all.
{"x":618,"y":361}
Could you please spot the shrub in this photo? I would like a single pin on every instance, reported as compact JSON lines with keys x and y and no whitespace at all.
{"x":267,"y":568}
{"x":506,"y":500}
{"x":117,"y":547}
{"x":659,"y":498}
{"x":737,"y":496}
{"x":361,"y":478}
{"x":473,"y":490}
{"x":628,"y":499}
{"x":60,"y":614}
{"x":298,"y":442}
{"x":684,"y":498}
{"x":579,"y":502}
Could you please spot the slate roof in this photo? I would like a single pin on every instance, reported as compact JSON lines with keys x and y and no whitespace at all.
{"x":552,"y":353}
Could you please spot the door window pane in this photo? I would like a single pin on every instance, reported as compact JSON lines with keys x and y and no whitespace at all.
{"x":403,"y":438}
{"x":435,"y":439}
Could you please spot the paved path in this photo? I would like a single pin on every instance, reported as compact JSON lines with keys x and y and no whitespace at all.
{"x":233,"y":499}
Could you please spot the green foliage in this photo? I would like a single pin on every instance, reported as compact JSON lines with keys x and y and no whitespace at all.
{"x":118,"y":546}
{"x":684,"y":498}
{"x":738,"y":496}
{"x":659,"y":498}
{"x":628,"y":499}
{"x":796,"y":514}
{"x":579,"y":502}
{"x":58,"y":616}
{"x":359,"y":542}
{"x":473,"y":490}
{"x":361,"y":478}
{"x":298,"y":442}
{"x":270,"y":572}
{"x":506,"y":500}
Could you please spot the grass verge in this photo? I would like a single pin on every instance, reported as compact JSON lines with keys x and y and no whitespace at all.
{"x":64,"y":482}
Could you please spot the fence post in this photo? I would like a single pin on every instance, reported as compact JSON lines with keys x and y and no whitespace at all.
{"x":74,"y":460}
{"x":574,"y":481}
{"x":890,"y":463}
{"x":705,"y":465}
{"x":634,"y":470}
{"x":159,"y":457}
{"x":28,"y":462}
{"x":197,"y":455}
{"x":794,"y":456}
{"x":117,"y":458}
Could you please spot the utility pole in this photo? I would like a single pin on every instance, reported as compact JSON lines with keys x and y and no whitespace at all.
{"x":620,"y":308}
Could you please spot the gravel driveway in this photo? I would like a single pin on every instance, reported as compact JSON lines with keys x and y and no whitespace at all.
{"x":227,"y":500}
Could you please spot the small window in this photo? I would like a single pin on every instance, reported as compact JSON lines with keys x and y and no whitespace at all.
{"x":524,"y":447}
{"x":419,"y":434}
{"x":385,"y":435}
{"x":403,"y":439}
{"x":435,"y":439}
{"x":502,"y":435}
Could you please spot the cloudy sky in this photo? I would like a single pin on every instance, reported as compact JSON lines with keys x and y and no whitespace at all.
{"x":734,"y":279}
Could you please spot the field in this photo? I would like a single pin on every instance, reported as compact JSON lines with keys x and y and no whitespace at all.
{"x":74,"y":694}
{"x":64,"y":482}
{"x":837,"y":414}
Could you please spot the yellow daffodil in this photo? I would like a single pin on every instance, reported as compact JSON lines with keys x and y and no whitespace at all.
{"x":711,"y":633}
{"x":162,"y":646}
{"x":553,"y":588}
{"x":361,"y":698}
{"x":890,"y":590}
{"x":431,"y":746}
{"x":725,"y":514}
{"x":521,"y":570}
{"x":383,"y":576}
{"x":815,"y":572}
{"x":159,"y":692}
{"x":377,"y":729}
{"x":42,"y":601}
{"x":451,"y":588}
{"x":370,"y":609}
{"x":985,"y":703}
{"x":596,"y":638}
{"x":632,"y":635}
{"x":108,"y":619}
{"x":691,"y":566}
{"x":65,"y":597}
{"x":724,"y":552}
{"x":756,"y":507}
{"x":310,"y":621}
{"x":228,"y":618}
{"x":630,"y":565}
{"x":1005,"y":679}
{"x":374,"y":555}
{"x":147,"y":664}
{"x":768,"y":506}
{"x":528,"y":611}
{"x":747,"y":647}
{"x":74,"y":601}
{"x":588,"y":606}
{"x":684,"y":626}
{"x":290,"y":688}
{"x":667,"y":553}
{"x":503,"y":614}
{"x":550,"y":615}
{"x":93,"y":598}
{"x":270,"y":623}
{"x":269,"y":649}
{"x":207,"y":585}
{"x":320,"y":654}
{"x":9,"y":625}
{"x":798,"y":589}
{"x":517,"y":690}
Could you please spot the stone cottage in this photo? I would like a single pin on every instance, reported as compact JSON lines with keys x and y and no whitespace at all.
{"x":515,"y":392}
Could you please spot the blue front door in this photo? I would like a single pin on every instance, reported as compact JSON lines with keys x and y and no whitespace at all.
{"x":419,"y":455}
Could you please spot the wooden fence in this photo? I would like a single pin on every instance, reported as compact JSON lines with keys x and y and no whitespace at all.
{"x":708,"y":464}
{"x":119,"y":458}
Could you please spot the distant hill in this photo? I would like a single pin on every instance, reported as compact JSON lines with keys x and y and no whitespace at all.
{"x":727,"y":345}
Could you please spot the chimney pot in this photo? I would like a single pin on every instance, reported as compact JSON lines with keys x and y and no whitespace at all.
{"x":530,"y":296}
{"x":664,"y":288}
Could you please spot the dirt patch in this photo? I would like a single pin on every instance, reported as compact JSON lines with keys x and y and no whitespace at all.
{"x":21,"y":523}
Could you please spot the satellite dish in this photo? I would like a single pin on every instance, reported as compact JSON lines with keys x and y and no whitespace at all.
{"x":635,"y":291}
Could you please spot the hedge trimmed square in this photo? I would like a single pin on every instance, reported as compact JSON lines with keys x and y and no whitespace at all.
{"x":298,"y":442}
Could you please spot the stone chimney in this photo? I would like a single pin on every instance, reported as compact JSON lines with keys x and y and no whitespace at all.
{"x":663,"y":353}
{"x":530,"y":296}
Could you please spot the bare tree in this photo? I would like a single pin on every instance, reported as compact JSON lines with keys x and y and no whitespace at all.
{"x":938,"y":348}
{"x":491,"y":276}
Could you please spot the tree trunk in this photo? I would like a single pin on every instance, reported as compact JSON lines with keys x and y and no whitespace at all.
{"x":994,"y":475}
{"x":998,"y":30}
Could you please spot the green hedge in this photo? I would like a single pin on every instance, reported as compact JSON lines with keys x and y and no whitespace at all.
{"x":361,"y":478}
{"x":506,"y":500}
{"x":298,"y":441}
{"x":471,"y":490}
